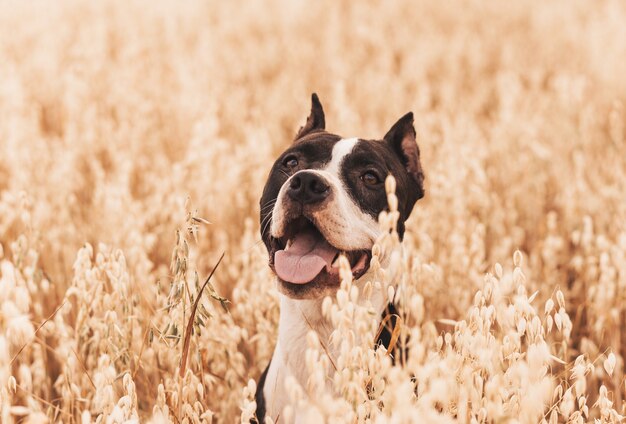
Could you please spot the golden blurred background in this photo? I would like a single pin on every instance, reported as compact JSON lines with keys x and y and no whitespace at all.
{"x":114,"y":113}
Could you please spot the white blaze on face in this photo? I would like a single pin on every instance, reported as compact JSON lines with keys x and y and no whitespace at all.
{"x":341,"y":221}
{"x":342,"y":149}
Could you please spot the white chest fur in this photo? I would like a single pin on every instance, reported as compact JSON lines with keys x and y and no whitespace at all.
{"x":297,"y":318}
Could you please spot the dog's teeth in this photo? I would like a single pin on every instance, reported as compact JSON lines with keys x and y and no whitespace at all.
{"x":335,"y":260}
{"x":288,"y":244}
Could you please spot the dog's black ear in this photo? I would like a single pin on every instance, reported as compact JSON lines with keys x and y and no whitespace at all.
{"x":315,"y":121}
{"x":401,"y":138}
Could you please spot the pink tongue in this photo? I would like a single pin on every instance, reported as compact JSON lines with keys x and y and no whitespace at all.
{"x":307,"y":255}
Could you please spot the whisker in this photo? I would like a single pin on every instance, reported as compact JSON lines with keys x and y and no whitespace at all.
{"x":265,"y":226}
{"x":265,"y":218}
{"x":268,"y":205}
{"x":265,"y":222}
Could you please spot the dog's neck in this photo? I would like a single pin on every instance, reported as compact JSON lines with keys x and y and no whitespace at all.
{"x":298,"y":317}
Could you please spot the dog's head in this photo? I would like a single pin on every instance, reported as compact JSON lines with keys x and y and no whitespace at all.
{"x":323,"y":197}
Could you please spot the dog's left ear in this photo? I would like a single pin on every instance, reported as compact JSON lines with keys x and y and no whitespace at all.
{"x":401,"y":138}
{"x":315,"y":121}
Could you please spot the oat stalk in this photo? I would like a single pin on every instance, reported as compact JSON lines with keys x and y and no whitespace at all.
{"x":188,"y":330}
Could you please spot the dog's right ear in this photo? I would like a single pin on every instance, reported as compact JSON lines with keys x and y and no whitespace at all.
{"x":402,"y":139}
{"x":315,"y":121}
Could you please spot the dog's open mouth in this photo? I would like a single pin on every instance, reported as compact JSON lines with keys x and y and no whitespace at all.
{"x":303,"y":255}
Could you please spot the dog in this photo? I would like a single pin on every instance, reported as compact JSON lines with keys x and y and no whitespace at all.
{"x":322,"y":199}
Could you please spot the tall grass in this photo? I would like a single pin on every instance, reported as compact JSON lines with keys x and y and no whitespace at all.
{"x":512,"y":275}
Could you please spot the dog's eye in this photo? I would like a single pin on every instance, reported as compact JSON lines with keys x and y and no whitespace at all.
{"x":290,"y":161}
{"x":370,"y":178}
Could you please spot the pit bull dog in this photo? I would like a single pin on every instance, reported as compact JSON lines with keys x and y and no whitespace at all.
{"x":322,"y":200}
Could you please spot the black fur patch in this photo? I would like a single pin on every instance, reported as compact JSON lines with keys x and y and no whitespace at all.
{"x":377,"y":157}
{"x":384,"y":339}
{"x":260,"y":399}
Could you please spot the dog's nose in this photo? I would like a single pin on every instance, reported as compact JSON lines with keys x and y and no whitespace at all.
{"x":308,"y":187}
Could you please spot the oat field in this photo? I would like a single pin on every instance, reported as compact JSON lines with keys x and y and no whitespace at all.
{"x":135,"y":139}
